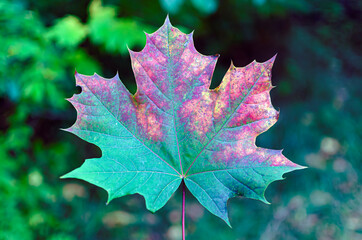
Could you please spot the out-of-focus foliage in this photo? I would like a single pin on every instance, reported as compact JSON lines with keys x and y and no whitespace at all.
{"x":114,"y":33}
{"x":103,"y":28}
{"x":318,"y":79}
{"x":68,"y":32}
{"x":203,"y":6}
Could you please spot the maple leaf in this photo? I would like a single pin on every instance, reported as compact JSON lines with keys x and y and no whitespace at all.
{"x":174,"y":128}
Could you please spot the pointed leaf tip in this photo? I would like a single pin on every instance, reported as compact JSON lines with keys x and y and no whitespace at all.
{"x":167,"y":21}
{"x":228,"y":223}
{"x":300,"y":167}
{"x":274,"y":57}
{"x":65,"y":176}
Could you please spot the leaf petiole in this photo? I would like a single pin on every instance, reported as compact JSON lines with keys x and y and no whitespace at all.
{"x":183,"y":209}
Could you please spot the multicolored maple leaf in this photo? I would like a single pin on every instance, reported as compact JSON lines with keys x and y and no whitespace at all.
{"x":175,"y":128}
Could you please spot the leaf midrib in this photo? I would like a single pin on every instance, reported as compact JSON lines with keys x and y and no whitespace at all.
{"x":169,"y":60}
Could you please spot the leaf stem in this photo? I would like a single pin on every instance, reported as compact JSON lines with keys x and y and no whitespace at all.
{"x":183,"y":209}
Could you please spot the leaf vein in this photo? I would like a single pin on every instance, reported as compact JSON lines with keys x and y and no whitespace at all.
{"x":128,"y":129}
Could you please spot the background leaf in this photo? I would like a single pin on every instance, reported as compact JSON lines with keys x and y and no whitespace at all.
{"x":207,"y":7}
{"x":171,"y":6}
{"x":68,"y":32}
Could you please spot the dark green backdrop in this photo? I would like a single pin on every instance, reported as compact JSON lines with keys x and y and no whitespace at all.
{"x":318,"y":78}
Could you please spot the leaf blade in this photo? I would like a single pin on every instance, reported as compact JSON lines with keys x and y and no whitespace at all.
{"x":175,"y":128}
{"x":98,"y":123}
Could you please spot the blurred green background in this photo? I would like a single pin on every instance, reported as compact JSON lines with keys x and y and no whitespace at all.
{"x":318,"y":77}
